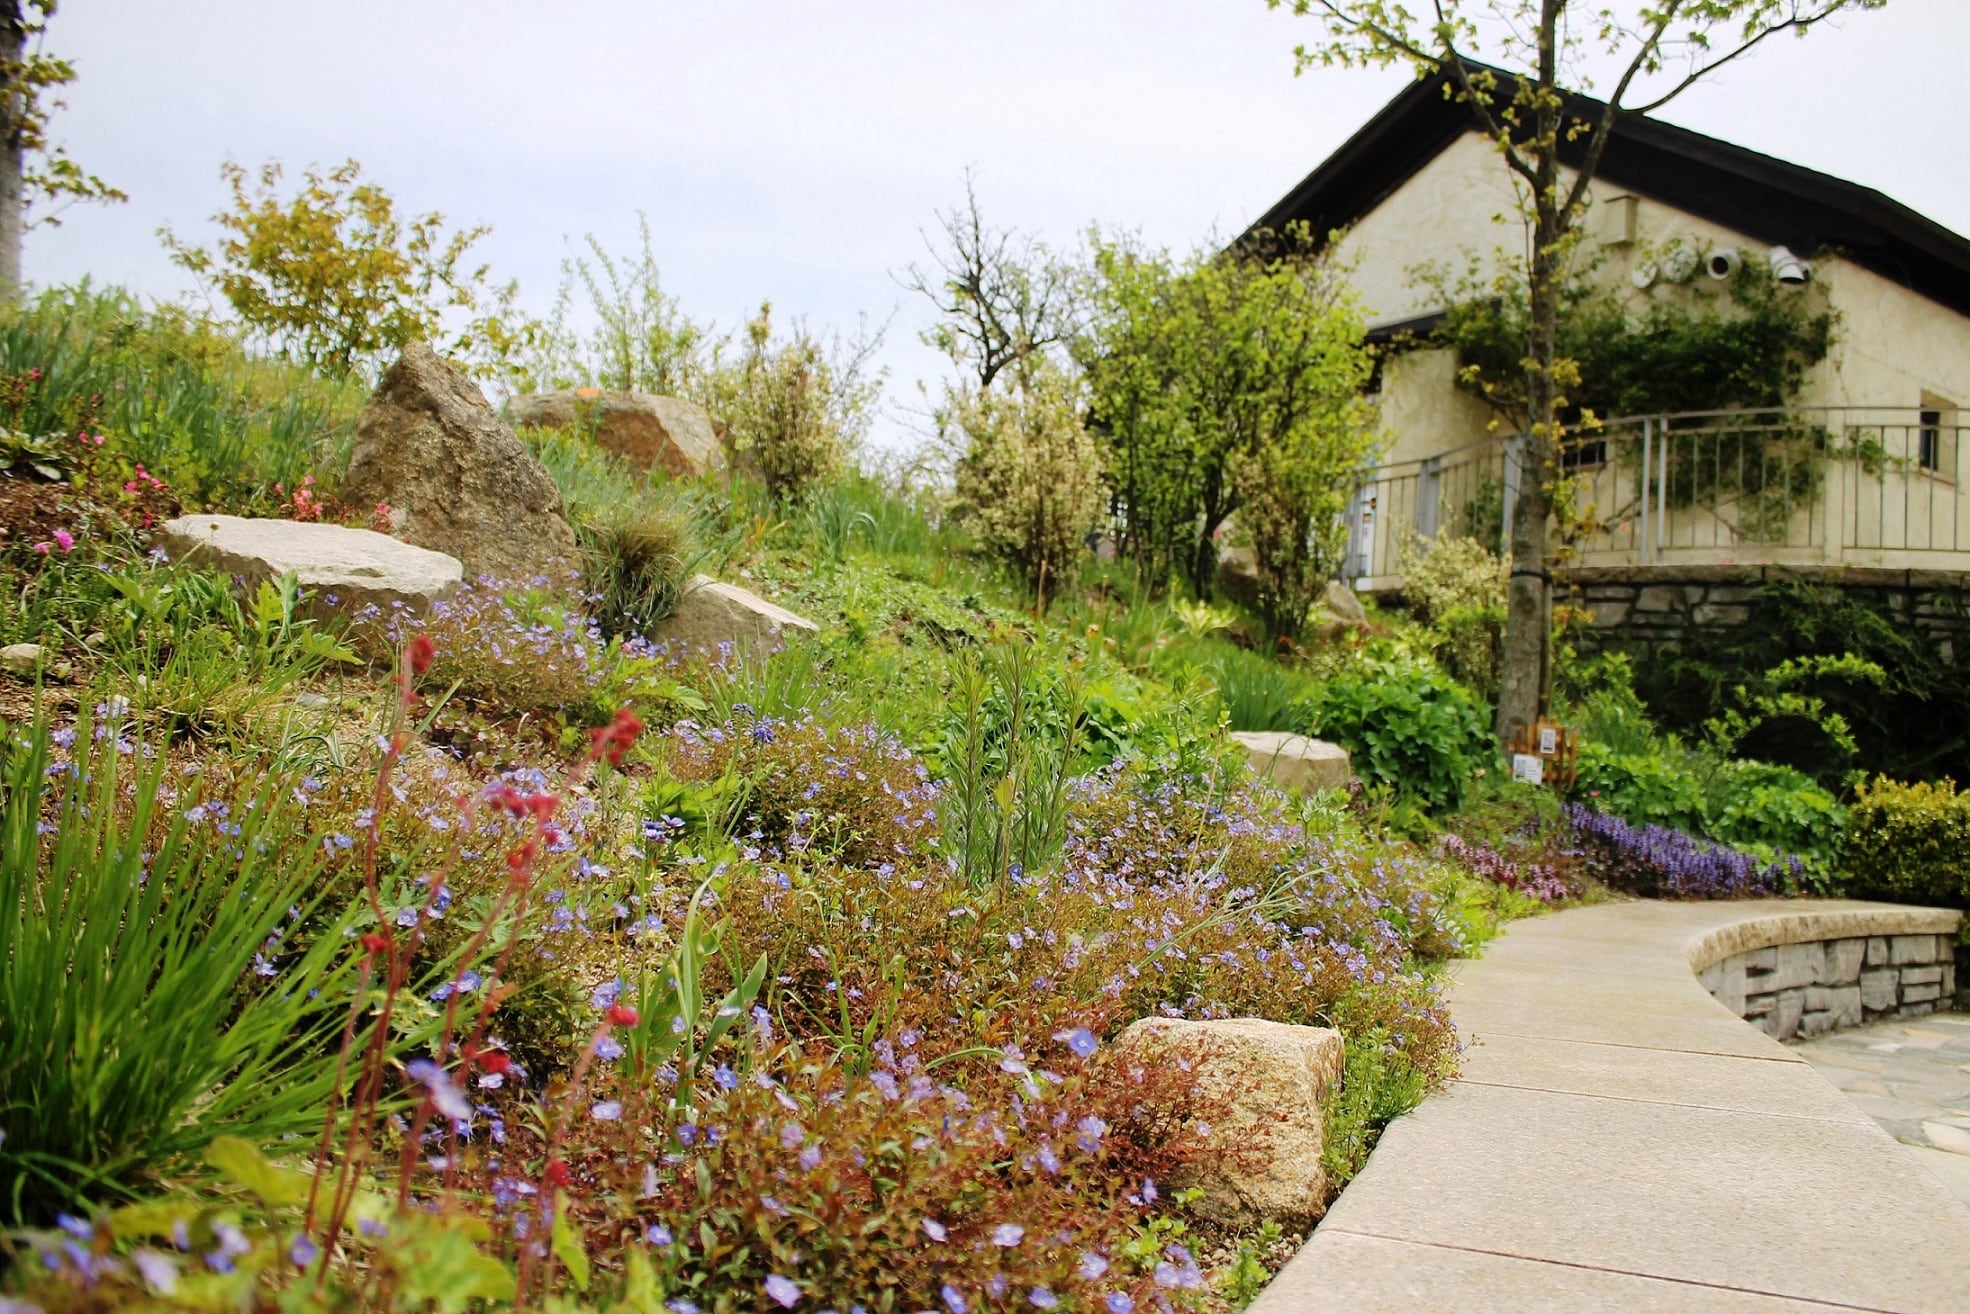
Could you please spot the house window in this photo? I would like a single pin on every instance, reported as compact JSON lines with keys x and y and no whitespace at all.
{"x":1583,"y":454}
{"x":1935,"y":437}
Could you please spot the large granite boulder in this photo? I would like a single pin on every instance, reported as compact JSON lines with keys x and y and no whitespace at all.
{"x":455,"y":478}
{"x":1237,"y":577}
{"x":649,"y":431}
{"x":1295,"y":761}
{"x":1263,"y":1084}
{"x":1342,"y":604}
{"x":342,"y":567}
{"x":712,"y":614}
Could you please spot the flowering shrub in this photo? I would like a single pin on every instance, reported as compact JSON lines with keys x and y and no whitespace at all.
{"x":1029,"y":486}
{"x":854,"y":794}
{"x":515,"y":645}
{"x":1534,"y":880}
{"x":1657,"y":862}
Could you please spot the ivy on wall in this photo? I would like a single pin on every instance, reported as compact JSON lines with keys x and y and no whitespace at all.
{"x":1745,"y":344}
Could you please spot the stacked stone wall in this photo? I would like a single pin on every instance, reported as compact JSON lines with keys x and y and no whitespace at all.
{"x":1647,"y":609}
{"x":1817,"y":986}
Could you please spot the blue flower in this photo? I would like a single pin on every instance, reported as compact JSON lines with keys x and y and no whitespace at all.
{"x":782,"y":1291}
{"x":1080,"y":1040}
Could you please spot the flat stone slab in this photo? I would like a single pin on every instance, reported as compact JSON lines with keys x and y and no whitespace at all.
{"x":1620,"y":1140}
{"x":1913,"y":1077}
{"x":342,"y":567}
{"x":1294,"y":761}
{"x":713,"y":614}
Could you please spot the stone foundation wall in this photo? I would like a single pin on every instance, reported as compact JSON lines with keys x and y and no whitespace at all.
{"x":1816,"y":986}
{"x":1643,"y":609}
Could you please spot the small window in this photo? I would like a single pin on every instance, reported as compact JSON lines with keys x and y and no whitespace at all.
{"x":1935,"y":437}
{"x":1583,"y":453}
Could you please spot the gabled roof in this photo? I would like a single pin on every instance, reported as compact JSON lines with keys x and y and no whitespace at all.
{"x":1766,"y":199}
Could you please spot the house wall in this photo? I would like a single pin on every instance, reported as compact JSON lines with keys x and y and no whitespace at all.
{"x":1423,"y":410}
{"x":1895,"y":352}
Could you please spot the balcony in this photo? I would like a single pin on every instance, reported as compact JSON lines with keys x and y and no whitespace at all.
{"x":1858,"y":488}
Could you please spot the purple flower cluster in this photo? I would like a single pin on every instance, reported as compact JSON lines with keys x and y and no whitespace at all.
{"x":1657,"y":861}
{"x":1534,"y":880}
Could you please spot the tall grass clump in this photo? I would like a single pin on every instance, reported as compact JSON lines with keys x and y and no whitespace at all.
{"x":150,"y":998}
{"x":176,"y":392}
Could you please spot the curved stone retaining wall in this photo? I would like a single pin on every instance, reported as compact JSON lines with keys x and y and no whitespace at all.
{"x":1805,"y":976}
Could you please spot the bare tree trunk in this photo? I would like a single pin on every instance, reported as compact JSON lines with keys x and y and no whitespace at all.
{"x":13,"y":41}
{"x":1529,"y":594}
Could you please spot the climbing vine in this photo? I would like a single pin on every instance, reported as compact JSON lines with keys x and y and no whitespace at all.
{"x":1744,"y":345}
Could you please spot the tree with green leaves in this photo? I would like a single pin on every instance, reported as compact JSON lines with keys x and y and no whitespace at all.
{"x":32,"y":170}
{"x":332,"y":277}
{"x":1219,"y":380}
{"x":1552,"y":142}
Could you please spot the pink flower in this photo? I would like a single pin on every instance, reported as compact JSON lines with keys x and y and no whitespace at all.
{"x":66,"y":539}
{"x":43,"y":548}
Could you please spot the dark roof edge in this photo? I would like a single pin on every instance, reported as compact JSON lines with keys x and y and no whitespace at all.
{"x":1765,"y":198}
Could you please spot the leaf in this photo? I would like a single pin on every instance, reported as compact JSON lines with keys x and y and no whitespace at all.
{"x":242,"y":1164}
{"x":567,"y":1244}
{"x":642,"y":1293}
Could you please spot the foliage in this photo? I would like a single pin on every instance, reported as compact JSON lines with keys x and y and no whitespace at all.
{"x":1218,"y":376}
{"x":793,"y":410}
{"x":332,"y":276}
{"x":1456,"y":586}
{"x":173,"y":393}
{"x":1668,"y":349}
{"x":1660,"y":862}
{"x":32,"y":79}
{"x":1909,"y":842}
{"x":159,"y":984}
{"x":1912,"y":722}
{"x":1412,"y":729}
{"x":1029,"y":486}
{"x":642,"y":341}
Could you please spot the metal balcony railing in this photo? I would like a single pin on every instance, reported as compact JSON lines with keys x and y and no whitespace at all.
{"x":1850,"y":485}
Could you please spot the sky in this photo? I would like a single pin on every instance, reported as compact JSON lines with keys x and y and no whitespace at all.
{"x":799,"y":151}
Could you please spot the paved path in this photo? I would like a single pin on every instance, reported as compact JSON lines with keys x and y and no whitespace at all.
{"x":1914,"y":1079}
{"x":1621,"y":1141}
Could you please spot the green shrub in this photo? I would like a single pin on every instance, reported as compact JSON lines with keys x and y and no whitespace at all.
{"x":148,"y":1002}
{"x":1910,"y":843}
{"x":1766,"y":809}
{"x":1651,"y":787}
{"x":1415,"y":730}
{"x":177,"y":393}
{"x":637,"y":560}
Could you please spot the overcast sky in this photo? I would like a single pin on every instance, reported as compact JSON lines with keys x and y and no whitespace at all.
{"x":795,"y":150}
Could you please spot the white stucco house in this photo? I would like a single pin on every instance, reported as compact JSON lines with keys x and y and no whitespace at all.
{"x":1420,"y":183}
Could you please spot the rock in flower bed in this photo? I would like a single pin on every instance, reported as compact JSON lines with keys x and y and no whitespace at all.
{"x":1658,"y":862}
{"x":711,"y":1021}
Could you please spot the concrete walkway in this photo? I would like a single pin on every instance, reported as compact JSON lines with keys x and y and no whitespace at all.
{"x":1621,"y":1141}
